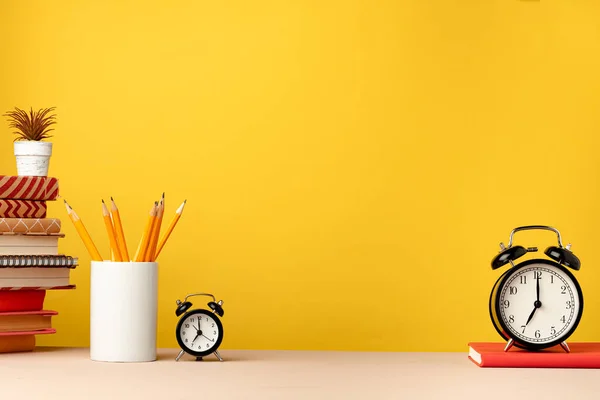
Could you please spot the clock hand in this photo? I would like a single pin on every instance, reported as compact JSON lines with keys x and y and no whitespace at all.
{"x":212,"y":340}
{"x":537,"y":303}
{"x":198,"y":324}
{"x":530,"y":316}
{"x":195,"y":339}
{"x":197,"y":335}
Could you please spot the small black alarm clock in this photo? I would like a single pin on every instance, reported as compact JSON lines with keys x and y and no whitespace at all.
{"x":538,"y":303}
{"x":199,"y":332}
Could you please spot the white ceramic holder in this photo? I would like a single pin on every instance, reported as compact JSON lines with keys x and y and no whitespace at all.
{"x":123,"y":311}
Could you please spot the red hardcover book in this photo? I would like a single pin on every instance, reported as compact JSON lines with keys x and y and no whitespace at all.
{"x":21,"y":300}
{"x":22,"y":208}
{"x":47,"y":331}
{"x":581,"y":355}
{"x":28,"y":187}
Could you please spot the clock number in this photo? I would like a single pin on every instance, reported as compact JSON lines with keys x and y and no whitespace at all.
{"x":183,"y":333}
{"x":192,"y":319}
{"x":511,"y":319}
{"x":537,"y":334}
{"x":512,"y":290}
{"x":562,"y":289}
{"x":207,"y":345}
{"x":569,"y":304}
{"x":506,"y":303}
{"x":537,"y":274}
{"x":523,"y":326}
{"x":213,"y":325}
{"x":563,"y":319}
{"x":552,"y":330}
{"x":186,"y":340}
{"x":214,"y":332}
{"x":187,"y":325}
{"x":523,"y":279}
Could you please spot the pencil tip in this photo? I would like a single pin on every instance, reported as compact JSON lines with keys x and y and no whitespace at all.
{"x":102,"y":201}
{"x":111,"y":199}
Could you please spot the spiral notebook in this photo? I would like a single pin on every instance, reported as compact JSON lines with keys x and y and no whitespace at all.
{"x":35,"y":271}
{"x":37,"y":260}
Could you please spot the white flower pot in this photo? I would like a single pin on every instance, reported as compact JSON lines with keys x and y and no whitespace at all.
{"x":33,"y":157}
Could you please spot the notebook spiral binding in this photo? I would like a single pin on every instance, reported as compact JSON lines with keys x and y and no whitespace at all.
{"x":17,"y":261}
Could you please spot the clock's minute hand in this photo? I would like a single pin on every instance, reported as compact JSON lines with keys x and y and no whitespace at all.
{"x":537,"y":288}
{"x":537,"y":303}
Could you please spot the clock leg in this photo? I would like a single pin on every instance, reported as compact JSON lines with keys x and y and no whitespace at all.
{"x":218,"y":355}
{"x":179,"y":355}
{"x":198,"y":358}
{"x":565,"y":347}
{"x":509,"y":345}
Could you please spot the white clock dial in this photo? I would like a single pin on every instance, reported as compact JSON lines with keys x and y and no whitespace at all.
{"x":539,"y":303}
{"x":199,"y":332}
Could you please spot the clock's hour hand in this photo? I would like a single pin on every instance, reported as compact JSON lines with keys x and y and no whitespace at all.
{"x":197,"y":336}
{"x":530,"y":316}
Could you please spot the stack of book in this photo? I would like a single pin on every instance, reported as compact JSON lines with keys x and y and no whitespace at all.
{"x":30,"y":262}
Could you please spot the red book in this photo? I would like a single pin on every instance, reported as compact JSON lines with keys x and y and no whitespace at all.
{"x":21,"y":300}
{"x":48,"y":331}
{"x":28,"y":187}
{"x":22,"y":208}
{"x":581,"y":355}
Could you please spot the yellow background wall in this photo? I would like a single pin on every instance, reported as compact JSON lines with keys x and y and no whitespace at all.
{"x":350,"y":166}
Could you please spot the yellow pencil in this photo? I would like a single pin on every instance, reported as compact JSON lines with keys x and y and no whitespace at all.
{"x":170,"y":229}
{"x":110,"y":230}
{"x":143,"y":246}
{"x":155,"y":231}
{"x":116,"y":217}
{"x":83,"y":233}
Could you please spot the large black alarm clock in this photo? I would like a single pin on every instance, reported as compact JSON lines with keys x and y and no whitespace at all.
{"x":537,"y":303}
{"x":199,"y":332}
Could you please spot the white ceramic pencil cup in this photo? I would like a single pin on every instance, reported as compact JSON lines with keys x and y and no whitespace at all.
{"x":123,"y":311}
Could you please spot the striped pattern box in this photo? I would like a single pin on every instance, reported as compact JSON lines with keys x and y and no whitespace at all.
{"x":22,"y":209}
{"x":28,"y":187}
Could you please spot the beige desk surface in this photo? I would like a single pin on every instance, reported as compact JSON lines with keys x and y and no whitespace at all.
{"x":66,"y":373}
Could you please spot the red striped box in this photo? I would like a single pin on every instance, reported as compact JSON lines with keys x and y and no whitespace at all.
{"x":22,"y":209}
{"x":28,"y":187}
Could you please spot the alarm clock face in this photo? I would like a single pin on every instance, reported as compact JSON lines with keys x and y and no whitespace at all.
{"x":199,"y":332}
{"x":537,"y":303}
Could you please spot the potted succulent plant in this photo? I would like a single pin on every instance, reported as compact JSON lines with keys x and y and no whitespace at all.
{"x":31,"y":152}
